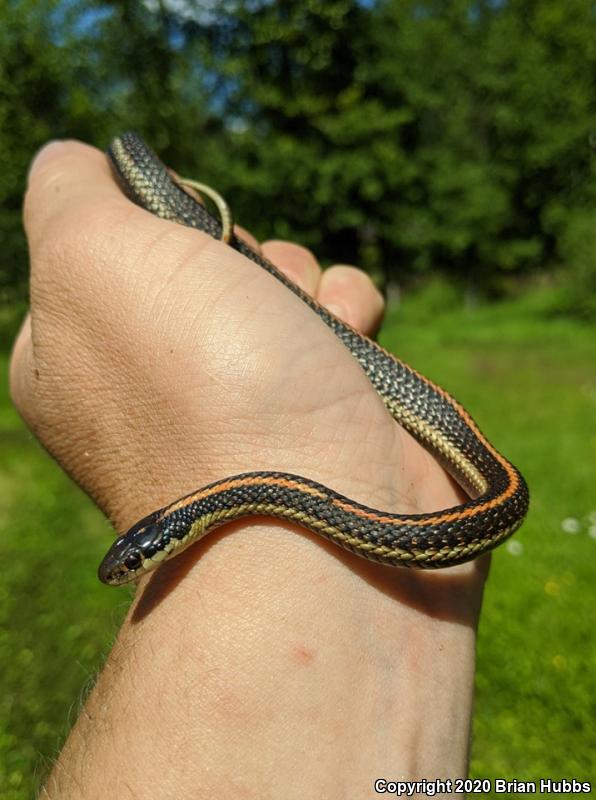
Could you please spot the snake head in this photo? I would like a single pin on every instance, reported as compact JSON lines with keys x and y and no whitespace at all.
{"x":134,"y":553}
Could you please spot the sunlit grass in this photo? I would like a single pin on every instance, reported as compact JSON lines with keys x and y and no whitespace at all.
{"x":55,"y":622}
{"x":530,"y":383}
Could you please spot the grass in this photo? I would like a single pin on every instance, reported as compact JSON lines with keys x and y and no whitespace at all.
{"x":530,"y":382}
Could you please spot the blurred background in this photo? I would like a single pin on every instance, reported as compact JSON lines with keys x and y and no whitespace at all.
{"x":448,"y":147}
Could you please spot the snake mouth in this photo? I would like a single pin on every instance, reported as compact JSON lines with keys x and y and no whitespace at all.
{"x":112,"y":574}
{"x":132,"y":554}
{"x":115,"y":570}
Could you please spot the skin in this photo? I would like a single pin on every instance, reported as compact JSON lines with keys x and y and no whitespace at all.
{"x":263,"y":662}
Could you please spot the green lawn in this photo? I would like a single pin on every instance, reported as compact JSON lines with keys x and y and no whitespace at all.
{"x":530,"y":381}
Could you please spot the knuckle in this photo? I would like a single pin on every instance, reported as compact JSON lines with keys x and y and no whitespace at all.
{"x":291,"y":250}
{"x":302,"y":252}
{"x":363,"y":282}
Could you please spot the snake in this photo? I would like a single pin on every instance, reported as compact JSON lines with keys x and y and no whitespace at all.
{"x":497,"y":496}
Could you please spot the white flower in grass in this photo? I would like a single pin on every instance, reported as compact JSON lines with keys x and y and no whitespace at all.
{"x":592,"y":531}
{"x":514,"y":547}
{"x":570,"y":525}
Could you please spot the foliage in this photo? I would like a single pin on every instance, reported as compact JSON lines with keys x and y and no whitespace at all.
{"x":88,"y":71}
{"x":436,"y":134}
{"x":576,"y":243}
{"x":32,"y":109}
{"x":407,"y":135}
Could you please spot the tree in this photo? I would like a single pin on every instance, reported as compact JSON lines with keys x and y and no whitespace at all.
{"x":404,"y":135}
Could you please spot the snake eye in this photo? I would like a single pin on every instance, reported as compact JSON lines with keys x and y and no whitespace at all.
{"x":133,"y":560}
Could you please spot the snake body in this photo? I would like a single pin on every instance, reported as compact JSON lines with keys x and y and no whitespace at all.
{"x":498,"y":493}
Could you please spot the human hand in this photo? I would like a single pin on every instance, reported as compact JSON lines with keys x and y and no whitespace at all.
{"x":157,"y":359}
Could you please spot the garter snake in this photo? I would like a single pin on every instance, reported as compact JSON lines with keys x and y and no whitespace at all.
{"x":498,"y":493}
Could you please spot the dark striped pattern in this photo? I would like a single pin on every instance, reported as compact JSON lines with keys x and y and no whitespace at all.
{"x":499,"y":495}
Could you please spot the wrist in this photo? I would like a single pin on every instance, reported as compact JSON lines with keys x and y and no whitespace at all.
{"x":264,"y":625}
